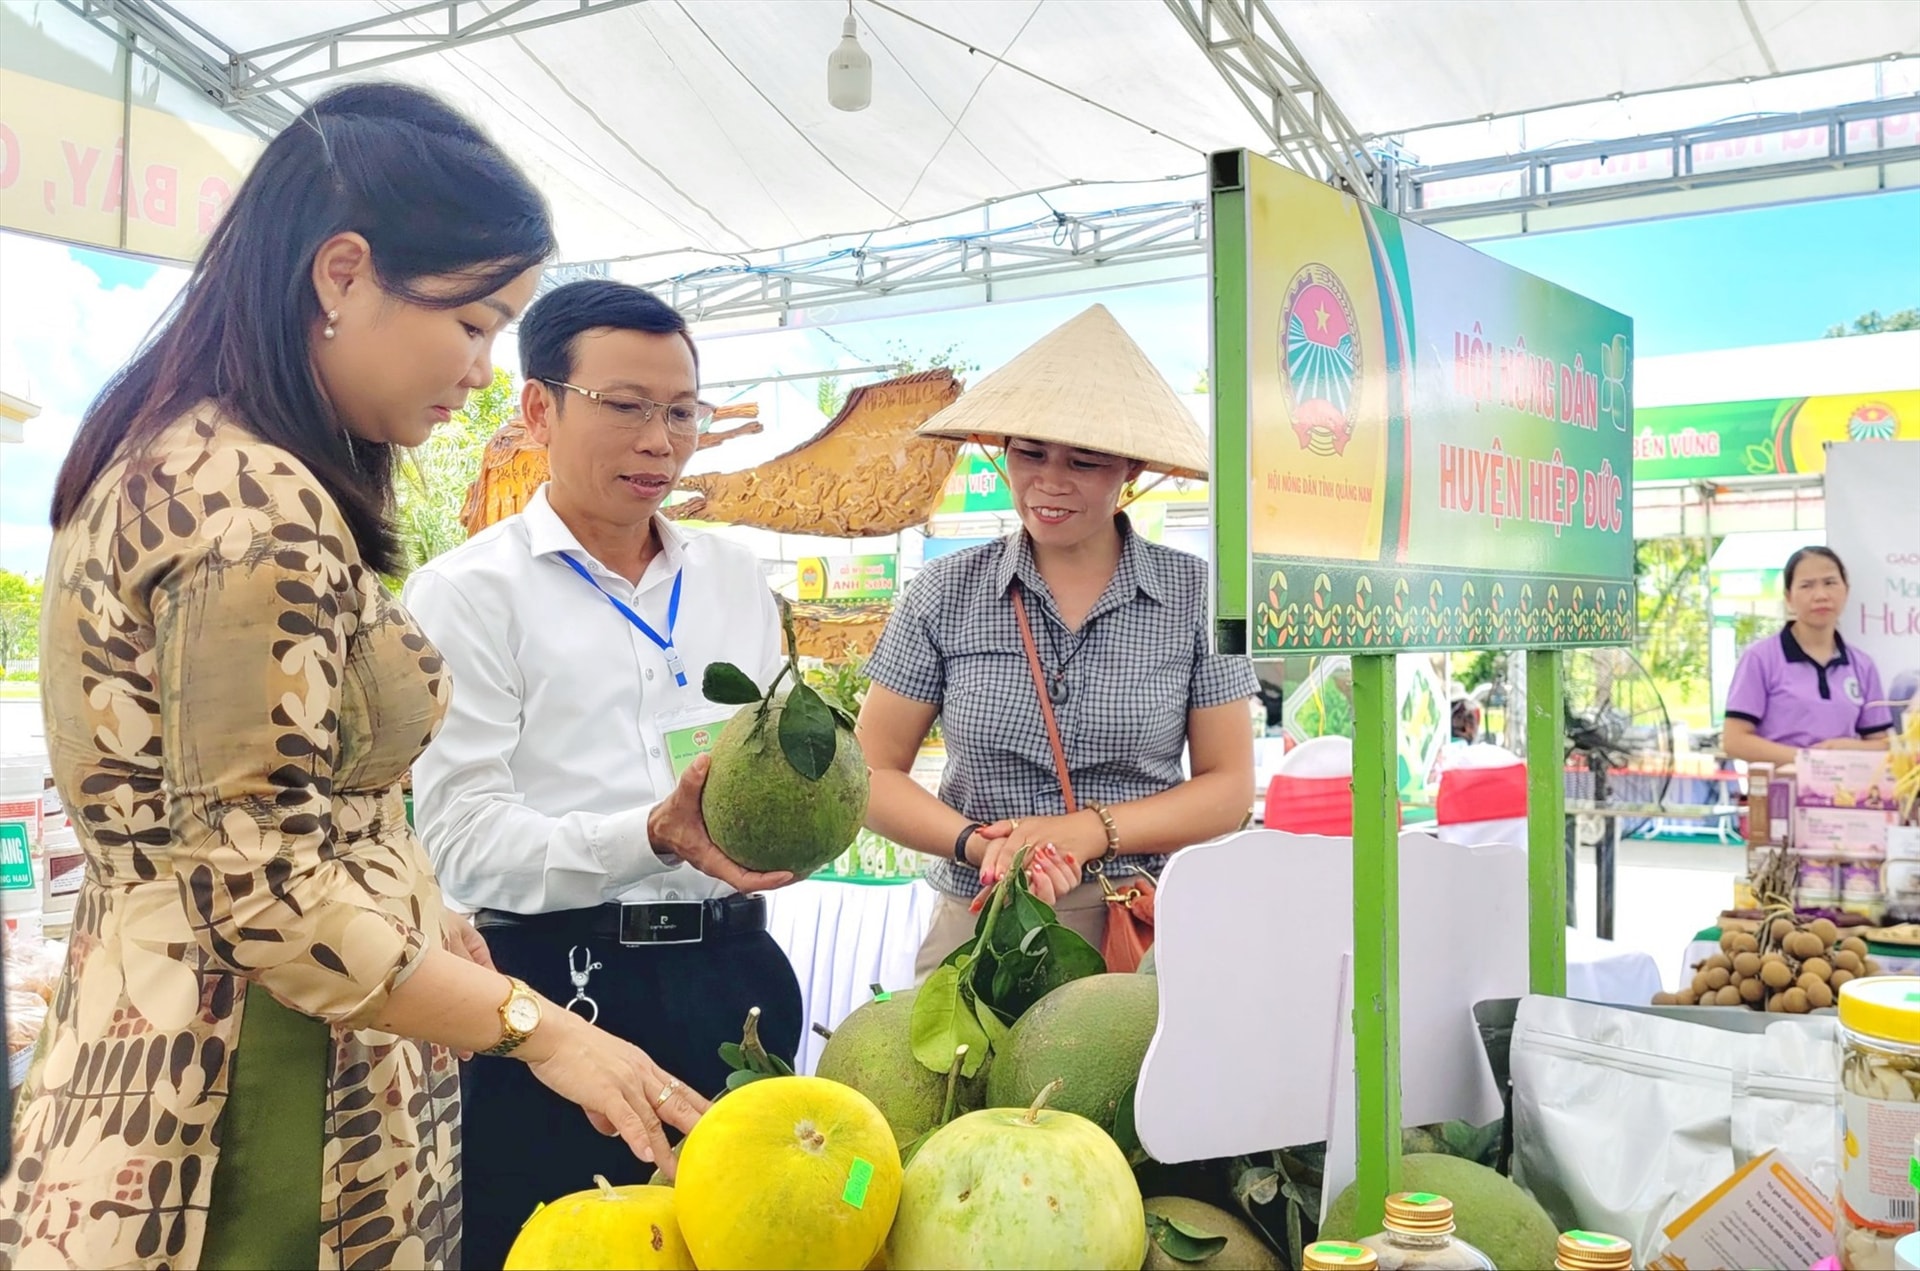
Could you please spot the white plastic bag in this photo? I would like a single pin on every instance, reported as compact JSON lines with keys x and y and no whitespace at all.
{"x":1624,"y":1118}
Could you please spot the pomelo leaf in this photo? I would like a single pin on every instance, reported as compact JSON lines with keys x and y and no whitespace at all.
{"x":732,"y":1056}
{"x":991,"y":1024}
{"x":942,"y":1022}
{"x":807,"y":733}
{"x":745,"y":1077}
{"x":728,"y":685}
{"x":1183,"y":1242}
{"x":1125,"y":1133}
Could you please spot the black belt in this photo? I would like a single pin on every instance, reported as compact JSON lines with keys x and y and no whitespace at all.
{"x":647,"y":922}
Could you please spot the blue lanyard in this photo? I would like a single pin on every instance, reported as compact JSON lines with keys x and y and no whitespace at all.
{"x":664,"y":644}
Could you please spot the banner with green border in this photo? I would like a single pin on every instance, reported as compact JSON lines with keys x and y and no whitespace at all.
{"x":1440,"y":446}
{"x":1764,"y":437}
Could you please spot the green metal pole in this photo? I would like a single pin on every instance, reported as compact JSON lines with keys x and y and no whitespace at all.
{"x":1229,"y":390}
{"x":1546,"y":824}
{"x":1376,"y":937}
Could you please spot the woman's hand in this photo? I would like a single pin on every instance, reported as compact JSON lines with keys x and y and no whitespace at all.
{"x":614,"y":1082}
{"x":1081,"y":837}
{"x":1050,"y":875}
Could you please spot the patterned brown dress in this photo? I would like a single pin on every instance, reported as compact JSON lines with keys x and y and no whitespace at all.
{"x":231,"y":700}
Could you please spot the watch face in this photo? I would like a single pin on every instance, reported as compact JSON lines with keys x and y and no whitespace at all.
{"x":524,"y":1014}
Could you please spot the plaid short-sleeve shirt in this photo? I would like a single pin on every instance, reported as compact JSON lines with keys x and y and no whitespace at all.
{"x":1142,"y":659}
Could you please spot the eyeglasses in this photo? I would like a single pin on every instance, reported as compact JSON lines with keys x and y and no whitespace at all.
{"x":687,"y":419}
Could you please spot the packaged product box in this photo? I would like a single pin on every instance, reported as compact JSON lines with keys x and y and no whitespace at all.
{"x":1766,"y":1215}
{"x":1903,"y":842}
{"x":1860,"y":779}
{"x":1841,"y":833}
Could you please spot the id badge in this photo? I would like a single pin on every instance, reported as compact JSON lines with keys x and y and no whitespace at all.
{"x":691,"y":733}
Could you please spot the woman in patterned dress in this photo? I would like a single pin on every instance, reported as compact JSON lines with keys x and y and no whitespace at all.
{"x":250,"y":1060}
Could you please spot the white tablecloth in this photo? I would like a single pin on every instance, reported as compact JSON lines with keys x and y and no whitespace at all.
{"x":1602,"y":971}
{"x":843,"y":938}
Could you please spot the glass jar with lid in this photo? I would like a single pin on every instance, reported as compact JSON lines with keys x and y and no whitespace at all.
{"x":1419,"y":1237}
{"x":1879,"y":1117}
{"x":1592,"y":1251}
{"x":1338,"y":1255}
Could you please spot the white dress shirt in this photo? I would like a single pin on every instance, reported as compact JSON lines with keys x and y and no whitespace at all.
{"x":534,"y":797}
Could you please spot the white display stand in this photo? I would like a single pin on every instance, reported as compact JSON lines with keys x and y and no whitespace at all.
{"x":1253,"y":939}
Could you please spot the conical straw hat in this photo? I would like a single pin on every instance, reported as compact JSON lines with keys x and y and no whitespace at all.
{"x":1084,"y":384}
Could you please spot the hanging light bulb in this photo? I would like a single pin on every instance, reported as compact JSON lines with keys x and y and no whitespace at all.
{"x":849,"y":70}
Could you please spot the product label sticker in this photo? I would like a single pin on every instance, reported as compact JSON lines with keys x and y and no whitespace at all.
{"x":1876,"y":1159}
{"x":880,"y":994}
{"x":858,"y":1178}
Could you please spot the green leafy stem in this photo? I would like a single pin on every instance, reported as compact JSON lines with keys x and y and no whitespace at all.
{"x":809,"y":724}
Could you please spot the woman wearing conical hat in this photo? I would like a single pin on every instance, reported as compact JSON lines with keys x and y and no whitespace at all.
{"x":1074,"y":628}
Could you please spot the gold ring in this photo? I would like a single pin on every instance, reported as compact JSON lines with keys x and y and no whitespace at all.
{"x":666,"y":1093}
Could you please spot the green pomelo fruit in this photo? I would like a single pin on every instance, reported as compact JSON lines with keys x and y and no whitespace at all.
{"x":1245,"y":1250}
{"x":767,"y":816}
{"x":1148,"y":964}
{"x":1490,"y":1212}
{"x":996,"y":1189}
{"x":872,"y":1051}
{"x":1092,"y":1034}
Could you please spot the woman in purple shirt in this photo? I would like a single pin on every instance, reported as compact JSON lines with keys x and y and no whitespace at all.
{"x":1805,"y":688}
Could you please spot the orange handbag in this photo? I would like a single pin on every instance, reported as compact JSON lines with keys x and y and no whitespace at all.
{"x":1129,"y":930}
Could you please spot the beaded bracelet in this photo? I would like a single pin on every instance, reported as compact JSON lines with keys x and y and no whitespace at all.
{"x":1113,"y":831}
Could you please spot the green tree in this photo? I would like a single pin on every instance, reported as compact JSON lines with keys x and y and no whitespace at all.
{"x":1873,"y":323}
{"x":19,"y":618}
{"x":1670,"y":576}
{"x":430,"y":482}
{"x":902,"y":359}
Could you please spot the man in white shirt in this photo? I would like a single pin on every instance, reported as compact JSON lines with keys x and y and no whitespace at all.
{"x":561,"y":799}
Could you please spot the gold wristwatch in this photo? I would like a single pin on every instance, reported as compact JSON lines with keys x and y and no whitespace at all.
{"x":519,"y":1016}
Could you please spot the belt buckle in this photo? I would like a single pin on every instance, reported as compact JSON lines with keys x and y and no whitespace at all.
{"x":662,"y":922}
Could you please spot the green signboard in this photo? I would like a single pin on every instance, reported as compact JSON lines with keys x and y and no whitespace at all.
{"x":1439,"y":445}
{"x":849,"y":578}
{"x":16,"y":862}
{"x":1764,"y":437}
{"x":975,"y":486}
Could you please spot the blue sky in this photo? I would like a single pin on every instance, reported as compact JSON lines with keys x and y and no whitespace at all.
{"x":68,"y":317}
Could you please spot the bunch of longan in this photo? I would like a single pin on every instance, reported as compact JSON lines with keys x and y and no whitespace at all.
{"x":1788,"y":968}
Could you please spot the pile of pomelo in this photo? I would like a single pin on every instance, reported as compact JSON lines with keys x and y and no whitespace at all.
{"x":1025,"y":1164}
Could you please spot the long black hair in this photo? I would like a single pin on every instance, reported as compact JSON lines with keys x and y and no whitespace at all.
{"x":1794,"y":561}
{"x":432,"y":196}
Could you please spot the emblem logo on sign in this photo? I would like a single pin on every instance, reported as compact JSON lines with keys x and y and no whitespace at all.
{"x":1872,"y":421}
{"x":1320,"y":360}
{"x":703,"y":739}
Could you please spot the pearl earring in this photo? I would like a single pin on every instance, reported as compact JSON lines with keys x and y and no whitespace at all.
{"x":333,"y":316}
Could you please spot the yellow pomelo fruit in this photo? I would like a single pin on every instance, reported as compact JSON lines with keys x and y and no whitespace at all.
{"x":788,"y":1172}
{"x":602,"y":1230}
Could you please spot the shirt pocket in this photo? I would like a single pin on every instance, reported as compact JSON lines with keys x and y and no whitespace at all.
{"x":1135,"y":703}
{"x":987,"y":679}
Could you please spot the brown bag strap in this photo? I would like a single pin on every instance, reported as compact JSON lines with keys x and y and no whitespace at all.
{"x":1046,"y":701}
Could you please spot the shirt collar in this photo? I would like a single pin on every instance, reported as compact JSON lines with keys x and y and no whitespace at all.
{"x":1790,"y":647}
{"x":1137,"y":573}
{"x":548,"y":535}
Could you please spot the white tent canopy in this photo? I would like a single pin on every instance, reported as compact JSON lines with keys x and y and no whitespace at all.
{"x":698,"y":131}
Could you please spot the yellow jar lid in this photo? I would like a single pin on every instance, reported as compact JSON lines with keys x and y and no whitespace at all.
{"x":1592,"y":1251}
{"x":1420,"y":1214}
{"x":1885,"y":1006}
{"x":1335,"y":1255}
